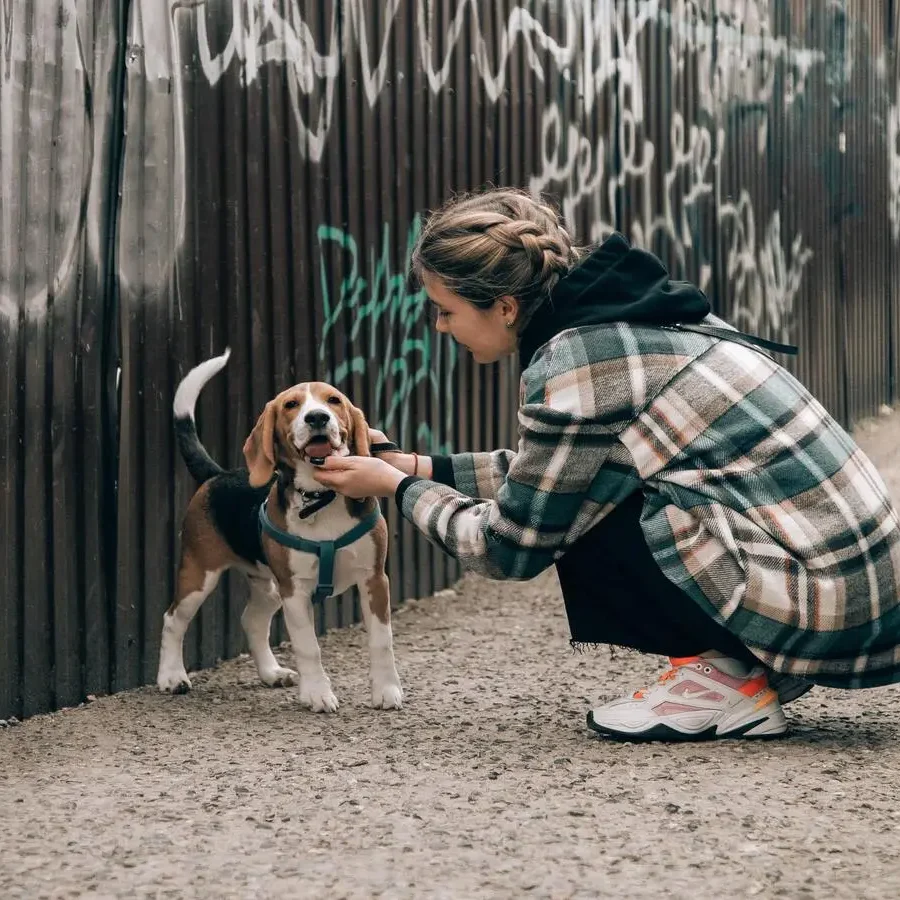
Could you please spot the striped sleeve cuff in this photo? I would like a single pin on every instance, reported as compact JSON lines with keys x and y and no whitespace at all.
{"x":402,"y":488}
{"x":411,"y":491}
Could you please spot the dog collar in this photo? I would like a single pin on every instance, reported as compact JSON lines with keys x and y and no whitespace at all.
{"x":325,"y":550}
{"x":313,"y":501}
{"x":316,"y":500}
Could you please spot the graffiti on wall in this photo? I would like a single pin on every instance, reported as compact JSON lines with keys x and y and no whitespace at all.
{"x":739,"y":74}
{"x":595,"y":48}
{"x":387,"y":321}
{"x":765,"y":279}
{"x":262,"y":32}
{"x":595,"y":56}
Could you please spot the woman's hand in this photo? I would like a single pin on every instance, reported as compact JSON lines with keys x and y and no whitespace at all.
{"x":359,"y":476}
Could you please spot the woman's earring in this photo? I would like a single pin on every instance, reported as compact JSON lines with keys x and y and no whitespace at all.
{"x":510,"y":324}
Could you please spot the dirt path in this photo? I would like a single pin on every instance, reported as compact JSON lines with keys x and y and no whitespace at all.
{"x":486,"y":784}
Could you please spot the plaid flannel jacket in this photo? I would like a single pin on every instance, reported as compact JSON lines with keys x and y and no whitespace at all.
{"x":757,"y":503}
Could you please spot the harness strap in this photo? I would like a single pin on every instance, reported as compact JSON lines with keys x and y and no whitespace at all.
{"x":324,"y":550}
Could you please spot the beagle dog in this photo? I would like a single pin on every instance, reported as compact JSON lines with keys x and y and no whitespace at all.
{"x":274,"y":522}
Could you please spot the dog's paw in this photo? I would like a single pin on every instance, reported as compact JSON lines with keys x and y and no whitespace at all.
{"x":173,"y":682}
{"x":318,"y":696}
{"x":279,"y":677}
{"x":387,"y":696}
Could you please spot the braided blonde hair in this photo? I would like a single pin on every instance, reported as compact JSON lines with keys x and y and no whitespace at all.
{"x":501,"y":242}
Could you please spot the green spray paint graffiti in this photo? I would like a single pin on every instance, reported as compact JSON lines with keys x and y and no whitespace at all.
{"x":389,"y":330}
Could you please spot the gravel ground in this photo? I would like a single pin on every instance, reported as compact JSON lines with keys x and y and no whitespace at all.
{"x":486,"y":784}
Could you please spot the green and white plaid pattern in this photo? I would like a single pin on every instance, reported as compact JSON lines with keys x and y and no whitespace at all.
{"x":758,"y":504}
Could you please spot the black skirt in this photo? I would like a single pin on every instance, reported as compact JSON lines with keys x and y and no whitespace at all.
{"x":615,"y":593}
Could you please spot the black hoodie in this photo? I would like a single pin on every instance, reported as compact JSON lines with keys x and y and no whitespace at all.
{"x":616,"y":282}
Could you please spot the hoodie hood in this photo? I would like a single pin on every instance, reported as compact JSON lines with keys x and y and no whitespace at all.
{"x":614,"y":283}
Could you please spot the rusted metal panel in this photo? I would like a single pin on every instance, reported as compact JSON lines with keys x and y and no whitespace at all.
{"x":863,"y":216}
{"x":807,"y":299}
{"x":57,"y":117}
{"x":202,"y":174}
{"x":892,"y":151}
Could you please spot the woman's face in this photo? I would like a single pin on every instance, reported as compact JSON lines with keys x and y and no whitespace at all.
{"x":488,"y":334}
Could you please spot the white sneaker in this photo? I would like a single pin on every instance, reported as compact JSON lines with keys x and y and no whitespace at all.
{"x":694,"y":701}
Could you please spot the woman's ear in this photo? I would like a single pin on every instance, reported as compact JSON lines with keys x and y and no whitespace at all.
{"x":509,"y":309}
{"x":259,"y":448}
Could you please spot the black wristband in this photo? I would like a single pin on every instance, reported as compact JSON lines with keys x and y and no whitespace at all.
{"x":442,"y":471}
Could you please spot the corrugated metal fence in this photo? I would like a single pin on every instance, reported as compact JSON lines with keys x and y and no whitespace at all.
{"x":181,"y":175}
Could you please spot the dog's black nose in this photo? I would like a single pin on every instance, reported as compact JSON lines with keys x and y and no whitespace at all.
{"x":316,"y":419}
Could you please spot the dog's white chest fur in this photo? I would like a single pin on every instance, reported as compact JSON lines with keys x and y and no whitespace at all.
{"x":329,"y":524}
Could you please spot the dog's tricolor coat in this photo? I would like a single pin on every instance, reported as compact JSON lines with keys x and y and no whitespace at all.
{"x":221,"y":531}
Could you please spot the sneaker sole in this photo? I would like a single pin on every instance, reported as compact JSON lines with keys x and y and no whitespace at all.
{"x":667,"y":733}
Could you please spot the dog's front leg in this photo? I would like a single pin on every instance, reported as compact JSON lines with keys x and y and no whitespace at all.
{"x":375,"y":599}
{"x":315,"y":686}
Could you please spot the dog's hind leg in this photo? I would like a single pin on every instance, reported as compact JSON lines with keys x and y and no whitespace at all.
{"x":195,"y":584}
{"x":256,"y":620}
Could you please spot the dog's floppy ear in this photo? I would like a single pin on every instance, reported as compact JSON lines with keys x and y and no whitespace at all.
{"x":358,"y":439}
{"x":259,"y":448}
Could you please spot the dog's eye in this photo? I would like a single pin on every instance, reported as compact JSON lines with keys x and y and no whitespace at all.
{"x":291,"y":404}
{"x":334,"y":401}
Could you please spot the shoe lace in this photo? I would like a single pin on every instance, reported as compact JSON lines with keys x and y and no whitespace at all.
{"x":668,"y":675}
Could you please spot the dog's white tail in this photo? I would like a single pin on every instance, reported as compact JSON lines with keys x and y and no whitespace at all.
{"x":200,"y":464}
{"x":192,"y":383}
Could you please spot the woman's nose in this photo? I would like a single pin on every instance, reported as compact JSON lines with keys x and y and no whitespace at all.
{"x":440,"y":326}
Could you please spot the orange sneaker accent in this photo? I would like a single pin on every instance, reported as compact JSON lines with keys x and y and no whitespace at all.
{"x":677,"y":661}
{"x":668,"y":675}
{"x":766,"y":699}
{"x":754,"y":685}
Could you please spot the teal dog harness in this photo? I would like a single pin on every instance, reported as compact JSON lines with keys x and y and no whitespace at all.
{"x":324,"y":550}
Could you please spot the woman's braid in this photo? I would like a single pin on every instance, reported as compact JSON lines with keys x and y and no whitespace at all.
{"x":498,"y":243}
